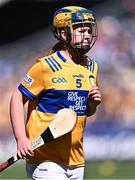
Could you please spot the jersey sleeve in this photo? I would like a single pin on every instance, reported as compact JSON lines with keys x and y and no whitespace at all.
{"x":93,"y":68}
{"x":33,"y":83}
{"x":95,"y":72}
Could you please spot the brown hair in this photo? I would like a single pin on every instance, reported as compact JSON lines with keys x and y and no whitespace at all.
{"x":82,"y":60}
{"x":58,"y":46}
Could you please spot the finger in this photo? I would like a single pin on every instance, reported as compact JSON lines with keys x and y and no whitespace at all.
{"x":96,"y":95}
{"x":94,"y":92}
{"x":32,"y":153}
{"x":29,"y":151}
{"x":19,"y":154}
{"x":23,"y":153}
{"x":97,"y":99}
{"x":94,"y":88}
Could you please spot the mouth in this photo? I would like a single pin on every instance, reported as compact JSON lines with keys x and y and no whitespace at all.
{"x":85,"y":43}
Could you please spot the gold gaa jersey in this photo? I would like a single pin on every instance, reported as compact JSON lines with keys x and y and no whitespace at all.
{"x":52,"y":84}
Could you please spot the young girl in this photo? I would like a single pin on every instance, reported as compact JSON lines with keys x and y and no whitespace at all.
{"x":59,"y":80}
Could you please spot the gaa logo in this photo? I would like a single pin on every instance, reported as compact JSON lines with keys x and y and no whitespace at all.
{"x":59,"y":80}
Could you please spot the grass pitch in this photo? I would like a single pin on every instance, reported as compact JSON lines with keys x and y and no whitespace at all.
{"x":93,"y":170}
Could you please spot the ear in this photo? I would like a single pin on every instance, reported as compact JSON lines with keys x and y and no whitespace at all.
{"x":63,"y":34}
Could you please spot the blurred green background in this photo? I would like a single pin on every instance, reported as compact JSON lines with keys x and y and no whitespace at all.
{"x":93,"y":170}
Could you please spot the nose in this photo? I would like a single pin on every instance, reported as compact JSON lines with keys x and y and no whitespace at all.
{"x":87,"y":35}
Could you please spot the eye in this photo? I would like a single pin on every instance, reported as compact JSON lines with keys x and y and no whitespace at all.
{"x":82,"y":31}
{"x":89,"y":31}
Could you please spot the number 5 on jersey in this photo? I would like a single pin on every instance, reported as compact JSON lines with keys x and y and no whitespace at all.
{"x":78,"y":83}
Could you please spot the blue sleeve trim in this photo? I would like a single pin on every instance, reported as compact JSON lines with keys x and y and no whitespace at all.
{"x":26,"y":92}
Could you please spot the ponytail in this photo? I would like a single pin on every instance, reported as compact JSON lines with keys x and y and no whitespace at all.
{"x":57,"y":47}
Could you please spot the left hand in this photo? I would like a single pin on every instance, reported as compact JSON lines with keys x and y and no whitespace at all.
{"x":94,"y":96}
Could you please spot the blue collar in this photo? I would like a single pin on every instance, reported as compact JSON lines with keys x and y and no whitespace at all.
{"x":60,"y":56}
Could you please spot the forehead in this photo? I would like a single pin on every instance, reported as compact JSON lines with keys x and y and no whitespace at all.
{"x":81,"y":25}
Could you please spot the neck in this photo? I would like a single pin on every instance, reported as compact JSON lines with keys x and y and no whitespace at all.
{"x":73,"y":57}
{"x":67,"y":56}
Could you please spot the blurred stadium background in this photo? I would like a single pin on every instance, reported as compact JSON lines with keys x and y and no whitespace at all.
{"x":25,"y":35}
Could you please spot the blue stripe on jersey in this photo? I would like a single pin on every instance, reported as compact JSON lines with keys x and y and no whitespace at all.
{"x":53,"y":100}
{"x":92,"y":66}
{"x":53,"y":64}
{"x":60,"y":56}
{"x":48,"y":62}
{"x":89,"y":64}
{"x":56,"y":62}
{"x":26,"y":92}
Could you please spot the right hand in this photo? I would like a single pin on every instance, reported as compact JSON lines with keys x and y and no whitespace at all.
{"x":24,"y":147}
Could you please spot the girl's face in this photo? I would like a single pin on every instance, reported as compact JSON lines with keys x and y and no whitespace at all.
{"x":81,"y":35}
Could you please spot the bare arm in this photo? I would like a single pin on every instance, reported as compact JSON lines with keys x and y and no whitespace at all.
{"x":17,"y":119}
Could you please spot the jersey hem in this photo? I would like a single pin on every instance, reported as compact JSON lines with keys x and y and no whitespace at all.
{"x":76,"y":165}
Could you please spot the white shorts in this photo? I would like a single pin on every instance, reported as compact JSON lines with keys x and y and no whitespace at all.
{"x":54,"y":171}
